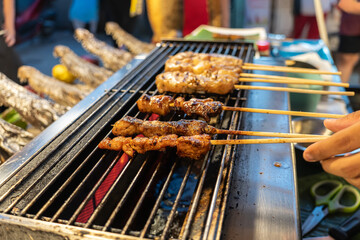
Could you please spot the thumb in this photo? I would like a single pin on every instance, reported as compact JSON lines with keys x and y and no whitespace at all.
{"x":336,"y":125}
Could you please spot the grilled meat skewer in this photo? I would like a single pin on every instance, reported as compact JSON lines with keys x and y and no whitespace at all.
{"x":187,"y":82}
{"x":62,"y":93}
{"x":206,"y":108}
{"x":122,"y":37}
{"x":112,"y":58}
{"x":85,"y":71}
{"x":194,"y":147}
{"x":37,"y":111}
{"x":163,"y":105}
{"x":201,"y":63}
{"x":129,"y":126}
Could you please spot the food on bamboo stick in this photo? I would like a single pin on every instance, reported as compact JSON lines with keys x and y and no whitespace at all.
{"x":12,"y":138}
{"x":85,"y":71}
{"x":187,"y":82}
{"x":129,"y":126}
{"x":163,"y":104}
{"x":62,"y":93}
{"x":206,"y":108}
{"x":202,"y":63}
{"x":112,"y":58}
{"x":194,"y":147}
{"x":37,"y":111}
{"x":124,"y":38}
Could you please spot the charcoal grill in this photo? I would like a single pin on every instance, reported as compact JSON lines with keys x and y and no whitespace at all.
{"x":61,"y":186}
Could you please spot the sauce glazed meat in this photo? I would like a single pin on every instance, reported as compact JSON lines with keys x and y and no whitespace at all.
{"x":194,"y":147}
{"x":163,"y":105}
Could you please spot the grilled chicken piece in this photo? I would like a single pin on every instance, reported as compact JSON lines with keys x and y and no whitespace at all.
{"x":124,"y":38}
{"x":194,"y":147}
{"x":85,"y":71}
{"x":187,"y":82}
{"x":163,"y":104}
{"x":62,"y":93}
{"x":12,"y":138}
{"x":112,"y":58}
{"x":201,"y":63}
{"x":37,"y":111}
{"x":159,"y":104}
{"x":129,"y":126}
{"x":205,"y":108}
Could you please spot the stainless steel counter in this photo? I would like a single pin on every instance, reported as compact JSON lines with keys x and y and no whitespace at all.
{"x":263,"y":201}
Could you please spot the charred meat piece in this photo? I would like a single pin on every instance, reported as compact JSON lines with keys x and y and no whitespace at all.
{"x":205,"y":108}
{"x":159,"y":104}
{"x":61,"y":92}
{"x":200,"y":63}
{"x":85,"y":71}
{"x":112,"y":58}
{"x":179,"y":82}
{"x":129,"y":126}
{"x":37,"y":111}
{"x":124,"y":38}
{"x":194,"y":147}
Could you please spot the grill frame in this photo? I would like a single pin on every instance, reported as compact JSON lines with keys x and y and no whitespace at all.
{"x":226,"y":174}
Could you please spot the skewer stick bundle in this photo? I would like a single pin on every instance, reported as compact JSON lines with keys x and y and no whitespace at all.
{"x":290,"y":80}
{"x":252,"y":66}
{"x":295,"y":90}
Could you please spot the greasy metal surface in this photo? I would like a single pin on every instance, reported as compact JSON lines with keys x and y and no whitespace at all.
{"x":263,"y":197}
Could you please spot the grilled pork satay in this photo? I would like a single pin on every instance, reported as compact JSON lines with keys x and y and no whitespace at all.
{"x":122,"y":37}
{"x":194,"y":147}
{"x":37,"y":111}
{"x":62,"y":93}
{"x":12,"y":138}
{"x":112,"y":58}
{"x":200,"y":63}
{"x":129,"y":126}
{"x":85,"y":71}
{"x":187,"y":82}
{"x":159,"y":104}
{"x":163,"y":104}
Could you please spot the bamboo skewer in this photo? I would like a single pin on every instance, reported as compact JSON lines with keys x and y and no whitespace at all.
{"x":283,"y":112}
{"x":299,"y":81}
{"x":294,"y":90}
{"x":251,"y":66}
{"x":265,"y":141}
{"x":290,"y":80}
{"x":267,"y":134}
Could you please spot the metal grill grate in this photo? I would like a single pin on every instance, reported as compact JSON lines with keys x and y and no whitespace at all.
{"x":155,"y":195}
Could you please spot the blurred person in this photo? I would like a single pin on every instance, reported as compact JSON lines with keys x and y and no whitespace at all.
{"x":349,"y":47}
{"x":305,"y":18}
{"x":345,"y":139}
{"x":9,"y":59}
{"x":84,"y":12}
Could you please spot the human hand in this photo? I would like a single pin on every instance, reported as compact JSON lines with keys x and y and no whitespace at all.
{"x":345,"y":139}
{"x":10,"y":36}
